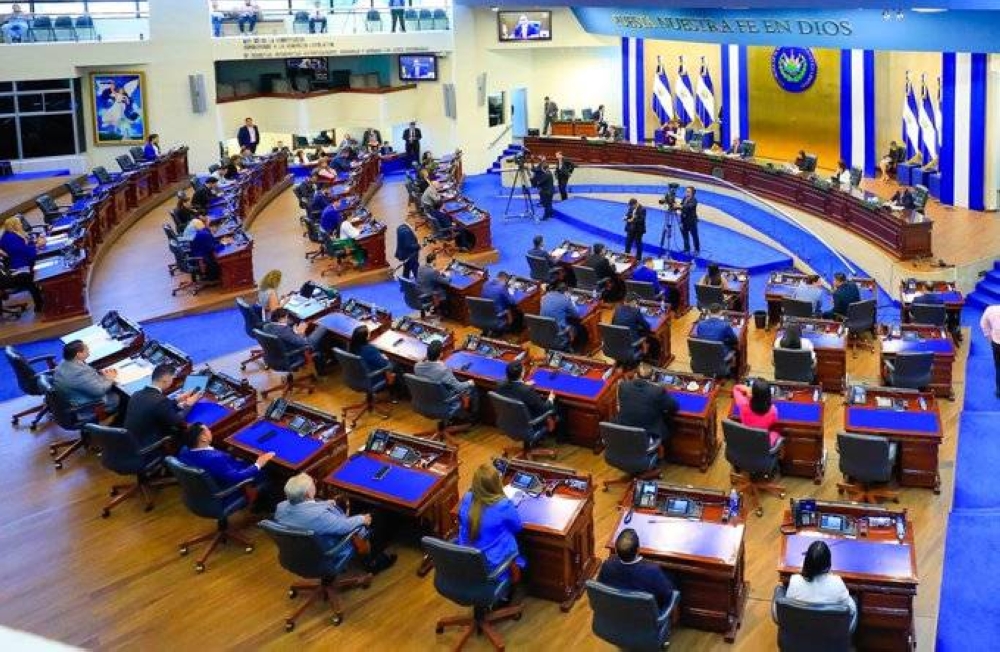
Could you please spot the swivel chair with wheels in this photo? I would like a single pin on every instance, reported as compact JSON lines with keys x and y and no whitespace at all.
{"x":27,"y":381}
{"x":121,"y":454}
{"x":754,"y":461}
{"x":285,"y":361}
{"x":252,"y":320}
{"x":809,"y":627}
{"x":514,"y":420}
{"x":910,"y":370}
{"x":866,"y":460}
{"x":356,"y":376}
{"x":631,"y":620}
{"x":629,"y":450}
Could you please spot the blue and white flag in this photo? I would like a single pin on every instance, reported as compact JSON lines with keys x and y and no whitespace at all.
{"x":928,"y":129}
{"x":686,"y":111}
{"x":706,"y":96}
{"x":911,"y":127}
{"x":937,"y":114}
{"x":663,"y":103}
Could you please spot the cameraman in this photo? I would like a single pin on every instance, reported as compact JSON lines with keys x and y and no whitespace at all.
{"x":541,"y":178}
{"x":689,"y":220}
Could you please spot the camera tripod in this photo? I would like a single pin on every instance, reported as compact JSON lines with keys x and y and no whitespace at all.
{"x":520,"y":179}
{"x":670,"y":220}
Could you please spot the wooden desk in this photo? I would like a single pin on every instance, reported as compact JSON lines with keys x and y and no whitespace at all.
{"x":526,"y":294}
{"x":694,"y":439}
{"x":406,"y":342}
{"x":372,"y":241}
{"x":63,"y":284}
{"x":426,"y":492}
{"x":584,"y":128}
{"x":135,"y":372}
{"x":587,"y":398}
{"x":952,"y":298}
{"x":112,"y":339}
{"x":879,"y":569}
{"x":705,"y":555}
{"x":484,"y":361}
{"x":228,"y":404}
{"x":558,"y":535}
{"x":905,"y":235}
{"x":588,"y":310}
{"x":352,"y":314}
{"x":738,"y":320}
{"x":464,"y":280}
{"x":780,"y":286}
{"x":303,"y":439}
{"x":917,"y":338}
{"x":660,"y":322}
{"x":236,"y":266}
{"x":736,"y":286}
{"x":312,"y":308}
{"x":917,"y":431}
{"x":800,"y":421}
{"x":568,"y":254}
{"x":829,"y":340}
{"x":676,"y":275}
{"x":475,"y":221}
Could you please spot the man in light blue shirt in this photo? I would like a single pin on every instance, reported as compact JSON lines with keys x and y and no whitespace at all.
{"x":811,"y":291}
{"x":557,"y":305}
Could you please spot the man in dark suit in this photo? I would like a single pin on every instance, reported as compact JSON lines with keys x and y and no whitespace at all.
{"x":407,"y":250}
{"x":542,"y":179}
{"x":248,"y":136}
{"x":515,"y":387}
{"x":645,"y":404}
{"x":717,"y":328}
{"x":635,"y":226}
{"x":371,"y":139}
{"x":204,"y":195}
{"x":509,"y":318}
{"x":432,"y":281}
{"x":564,"y":169}
{"x":628,"y":571}
{"x":412,"y":138}
{"x":612,"y":288}
{"x":225,"y":469}
{"x":927,"y":296}
{"x":294,"y":337}
{"x":904,"y":198}
{"x":551,"y":111}
{"x":844,"y":294}
{"x":689,"y":220}
{"x":151,"y":415}
{"x":629,"y":315}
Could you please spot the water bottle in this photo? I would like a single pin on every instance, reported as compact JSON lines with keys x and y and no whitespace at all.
{"x":663,"y":305}
{"x":593,"y":293}
{"x":734,"y":504}
{"x":816,"y":395}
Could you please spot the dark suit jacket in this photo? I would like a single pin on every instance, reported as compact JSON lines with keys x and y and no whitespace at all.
{"x":689,"y":211}
{"x":645,"y":405}
{"x":289,"y":338}
{"x":407,"y":245}
{"x":638,"y":223}
{"x":537,"y":406}
{"x":631,"y":318}
{"x":414,"y":136}
{"x":202,"y":198}
{"x":717,"y":329}
{"x":243,"y":136}
{"x":152,"y":416}
{"x":564,"y":171}
{"x":601,"y":266}
{"x":639,"y":576}
{"x":544,"y":181}
{"x":844,"y":296}
{"x":204,"y":244}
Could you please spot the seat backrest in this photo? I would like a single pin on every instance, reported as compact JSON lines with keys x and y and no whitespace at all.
{"x":626,"y":619}
{"x":616,"y":343}
{"x":543,"y":331}
{"x":482,"y":313}
{"x":41,"y":21}
{"x":46,"y":204}
{"x":586,"y":277}
{"x":412,"y":296}
{"x":934,"y":314}
{"x":913,"y":369}
{"x":793,"y":364}
{"x":748,"y":449}
{"x":920,"y":196}
{"x":805,"y":627}
{"x":27,"y":377}
{"x":252,"y":318}
{"x":644,"y":289}
{"x":627,"y":448}
{"x":355,"y":375}
{"x":101,"y":174}
{"x":865,"y":457}
{"x":460,"y":573}
{"x":856,"y":174}
{"x":429,"y":398}
{"x":125,"y":162}
{"x":62,"y":411}
{"x":512,"y":417}
{"x":84,"y":21}
{"x":707,"y":295}
{"x":301,"y":16}
{"x":301,"y":552}
{"x":860,"y":316}
{"x":119,"y":450}
{"x":539,"y":267}
{"x":708,"y":357}
{"x":797,"y":308}
{"x":138,"y":153}
{"x":198,"y":489}
{"x":169,"y":231}
{"x":275,"y":355}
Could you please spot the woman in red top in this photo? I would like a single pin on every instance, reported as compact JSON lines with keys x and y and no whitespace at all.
{"x":753,"y":405}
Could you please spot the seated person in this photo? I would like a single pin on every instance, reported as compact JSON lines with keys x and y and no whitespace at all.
{"x":754,"y":407}
{"x":431,"y":280}
{"x":343,"y":244}
{"x":330,"y":217}
{"x":904,"y":197}
{"x":151,"y":415}
{"x":422,"y":182}
{"x":626,"y":570}
{"x":509,"y":318}
{"x":18,"y":280}
{"x":515,"y":387}
{"x":246,"y":158}
{"x":887,"y":164}
{"x":612,"y":287}
{"x":295,"y":340}
{"x":462,"y":397}
{"x":816,"y":584}
{"x":324,"y":173}
{"x":800,"y":160}
{"x":792,"y":339}
{"x":629,"y":314}
{"x":18,"y":252}
{"x":193,"y":227}
{"x":204,"y":245}
{"x":320,"y":200}
{"x":670,"y":133}
{"x":811,"y":291}
{"x":183,"y":210}
{"x":231,"y":171}
{"x":557,"y":305}
{"x":646,"y":273}
{"x":16,"y":26}
{"x":845,"y":293}
{"x":267,"y":293}
{"x":926,"y":295}
{"x":225,"y":469}
{"x":151,"y":151}
{"x":489,"y":522}
{"x":538,"y":250}
{"x":374,"y":360}
{"x":714,"y":277}
{"x":205,"y":194}
{"x":329,"y":524}
{"x":716,"y":328}
{"x":80,"y":383}
{"x":645,"y":404}
{"x":842,"y":177}
{"x":735,"y":148}
{"x":430,"y":199}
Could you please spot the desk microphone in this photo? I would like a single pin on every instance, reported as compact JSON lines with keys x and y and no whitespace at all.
{"x":398,"y":342}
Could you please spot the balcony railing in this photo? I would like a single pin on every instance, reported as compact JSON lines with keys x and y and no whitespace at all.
{"x":89,"y":20}
{"x":335,"y":18}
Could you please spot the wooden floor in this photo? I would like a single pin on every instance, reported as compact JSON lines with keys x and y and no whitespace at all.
{"x":19,"y":196}
{"x":72,"y":576}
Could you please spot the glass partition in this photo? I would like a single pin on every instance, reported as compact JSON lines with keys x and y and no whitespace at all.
{"x":41,"y":21}
{"x":41,"y":118}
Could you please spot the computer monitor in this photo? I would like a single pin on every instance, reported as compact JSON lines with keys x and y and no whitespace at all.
{"x":809,"y":163}
{"x":747,"y":149}
{"x":567,"y":114}
{"x":588,"y":114}
{"x":513,"y":26}
{"x":418,"y":67}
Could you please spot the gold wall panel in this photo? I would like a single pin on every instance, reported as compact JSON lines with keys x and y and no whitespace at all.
{"x":670,"y":51}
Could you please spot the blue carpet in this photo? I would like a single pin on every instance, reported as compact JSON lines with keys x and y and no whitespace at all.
{"x":30,"y":176}
{"x":968,"y":617}
{"x":977,"y":461}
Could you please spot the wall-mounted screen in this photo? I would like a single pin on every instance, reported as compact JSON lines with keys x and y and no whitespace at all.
{"x":317,"y":66}
{"x":418,"y":67}
{"x":524,"y":25}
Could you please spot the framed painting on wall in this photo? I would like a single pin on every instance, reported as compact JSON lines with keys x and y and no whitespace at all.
{"x":119,"y":107}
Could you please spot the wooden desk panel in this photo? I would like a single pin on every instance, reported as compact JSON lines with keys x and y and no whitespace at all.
{"x":584,"y":408}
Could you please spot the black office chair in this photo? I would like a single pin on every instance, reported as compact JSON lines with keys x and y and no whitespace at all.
{"x":910,"y":370}
{"x":203,"y":498}
{"x":68,"y":417}
{"x":27,"y":381}
{"x":629,"y":450}
{"x":252,"y":319}
{"x":461,"y":575}
{"x":859,"y":321}
{"x":643,"y":289}
{"x":414,"y":299}
{"x":138,"y":154}
{"x":795,"y":365}
{"x":102,"y":175}
{"x":76,"y":191}
{"x":356,"y":376}
{"x":431,"y":400}
{"x":586,"y":279}
{"x":866,"y":460}
{"x":126,"y":163}
{"x":514,"y":420}
{"x":709,"y":295}
{"x":617,"y":343}
{"x":541,"y":268}
{"x":544,"y":332}
{"x":317,"y":236}
{"x":301,"y":553}
{"x":797,"y":308}
{"x":710,"y":358}
{"x":185,"y":263}
{"x":932,"y":314}
{"x":52,"y":212}
{"x":921,"y":195}
{"x":120,"y":454}
{"x":41,"y":29}
{"x":754,"y":461}
{"x":285,"y":361}
{"x":812,"y":627}
{"x":631,"y":620}
{"x":85,"y":29}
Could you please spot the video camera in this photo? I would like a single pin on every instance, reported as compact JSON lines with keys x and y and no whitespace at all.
{"x":522,"y":157}
{"x":670,"y":197}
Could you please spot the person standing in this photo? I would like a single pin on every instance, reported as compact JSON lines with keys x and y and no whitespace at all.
{"x":543,"y":180}
{"x":551,"y":112}
{"x":412,"y":137}
{"x":564,"y":169}
{"x":398,"y":14}
{"x":689,"y":220}
{"x":407,"y":250}
{"x":990,"y":323}
{"x":635,"y":227}
{"x":248,"y":136}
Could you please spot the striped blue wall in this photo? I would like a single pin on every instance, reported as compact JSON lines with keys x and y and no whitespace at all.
{"x":633,"y":90}
{"x":857,"y":109}
{"x":735,"y":116}
{"x":962,"y":160}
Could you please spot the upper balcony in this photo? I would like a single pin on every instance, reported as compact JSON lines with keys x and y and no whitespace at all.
{"x":64,"y":20}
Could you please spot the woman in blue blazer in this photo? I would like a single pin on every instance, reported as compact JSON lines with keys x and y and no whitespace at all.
{"x":488,"y":520}
{"x":20,"y":249}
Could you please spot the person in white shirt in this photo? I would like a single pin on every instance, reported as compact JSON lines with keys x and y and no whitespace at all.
{"x":990,"y":325}
{"x":816,"y":584}
{"x":792,"y":339}
{"x":811,"y":291}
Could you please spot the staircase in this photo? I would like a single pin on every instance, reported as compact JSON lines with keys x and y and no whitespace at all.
{"x":508,"y":151}
{"x":987,"y":291}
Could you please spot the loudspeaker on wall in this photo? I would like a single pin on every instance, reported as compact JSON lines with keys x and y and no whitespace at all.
{"x":481,"y":89}
{"x":449,"y":101}
{"x":196,"y":83}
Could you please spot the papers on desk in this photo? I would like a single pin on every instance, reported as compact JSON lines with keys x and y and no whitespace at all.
{"x":132,"y":370}
{"x":304,"y":308}
{"x":658,"y":264}
{"x":45,"y":263}
{"x":514,"y":495}
{"x":97,"y":340}
{"x":558,"y":252}
{"x":621,"y":267}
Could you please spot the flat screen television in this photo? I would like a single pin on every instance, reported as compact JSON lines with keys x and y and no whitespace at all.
{"x":524,"y":26}
{"x":315,"y":66}
{"x":418,"y":67}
